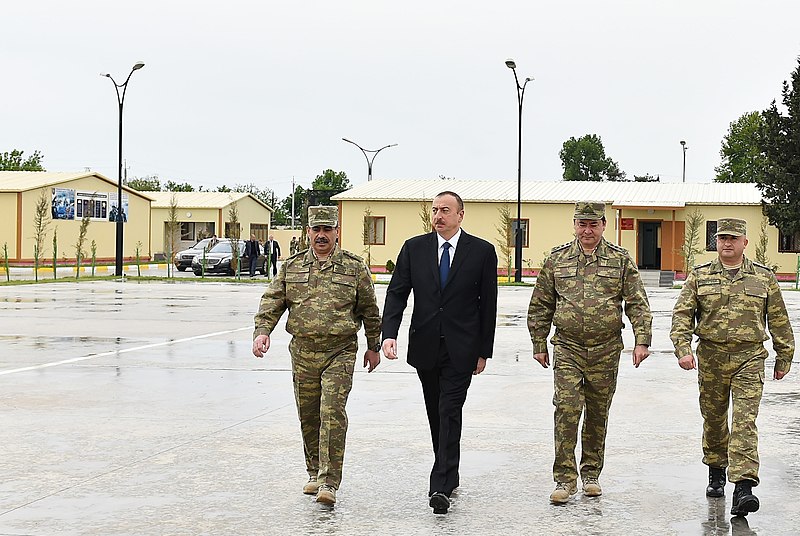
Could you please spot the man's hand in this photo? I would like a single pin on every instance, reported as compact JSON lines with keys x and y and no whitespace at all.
{"x":778,"y":374}
{"x":687,"y":362}
{"x":640,"y":353}
{"x":390,"y":348}
{"x":480,"y":366}
{"x":543,"y":359}
{"x":260,"y":345}
{"x":371,"y":360}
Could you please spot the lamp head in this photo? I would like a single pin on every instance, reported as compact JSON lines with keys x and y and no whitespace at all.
{"x":510,"y":64}
{"x":105,"y":74}
{"x":138,"y":65}
{"x":683,"y":142}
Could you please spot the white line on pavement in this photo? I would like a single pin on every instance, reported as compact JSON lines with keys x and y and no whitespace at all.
{"x":123,"y":351}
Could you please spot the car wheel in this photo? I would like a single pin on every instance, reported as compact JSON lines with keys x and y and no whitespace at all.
{"x":197,"y":272}
{"x":263,"y":269}
{"x":181,"y":268}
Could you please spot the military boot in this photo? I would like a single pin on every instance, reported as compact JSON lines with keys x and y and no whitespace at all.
{"x":591,"y":487}
{"x":744,"y":501}
{"x":716,"y":482}
{"x":312,"y":486}
{"x":326,"y":494}
{"x":563,"y":491}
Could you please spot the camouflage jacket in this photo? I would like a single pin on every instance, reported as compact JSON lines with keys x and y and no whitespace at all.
{"x":326,"y":302}
{"x":734,"y":311}
{"x":582,"y":297}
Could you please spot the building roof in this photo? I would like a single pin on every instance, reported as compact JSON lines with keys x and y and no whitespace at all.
{"x":22,"y":181}
{"x":214,"y":200}
{"x":618,"y":194}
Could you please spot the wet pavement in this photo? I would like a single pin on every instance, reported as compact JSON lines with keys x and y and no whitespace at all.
{"x":138,"y":409}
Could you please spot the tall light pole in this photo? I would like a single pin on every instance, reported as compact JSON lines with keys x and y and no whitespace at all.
{"x":365,"y":151}
{"x":683,"y":145}
{"x":120,"y":100}
{"x":518,"y":224}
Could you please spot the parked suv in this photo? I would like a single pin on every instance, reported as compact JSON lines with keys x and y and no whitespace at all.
{"x":183,"y":259}
{"x":219,"y":260}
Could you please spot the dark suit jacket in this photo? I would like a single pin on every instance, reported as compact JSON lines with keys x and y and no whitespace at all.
{"x":276,"y":249}
{"x":252,"y":249}
{"x":464,"y":312}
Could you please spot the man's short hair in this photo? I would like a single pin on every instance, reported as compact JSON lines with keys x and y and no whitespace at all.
{"x":457,"y":197}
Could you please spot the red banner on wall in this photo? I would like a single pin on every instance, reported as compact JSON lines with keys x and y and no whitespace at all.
{"x":626,"y":224}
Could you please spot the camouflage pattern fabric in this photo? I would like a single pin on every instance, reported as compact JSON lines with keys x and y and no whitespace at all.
{"x":322,"y":380}
{"x":732,"y":311}
{"x":721,"y":374}
{"x":585,"y":380}
{"x":327,"y":304}
{"x":582,"y":297}
{"x":731,"y":316}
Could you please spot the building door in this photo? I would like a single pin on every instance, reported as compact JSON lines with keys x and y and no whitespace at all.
{"x":649,"y":252}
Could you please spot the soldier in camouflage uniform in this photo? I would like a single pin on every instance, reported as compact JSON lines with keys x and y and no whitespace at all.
{"x":580,"y":290}
{"x":329,"y":294}
{"x":728,"y":303}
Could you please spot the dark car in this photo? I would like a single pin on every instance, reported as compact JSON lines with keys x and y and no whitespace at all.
{"x":219,"y":260}
{"x":183,"y":259}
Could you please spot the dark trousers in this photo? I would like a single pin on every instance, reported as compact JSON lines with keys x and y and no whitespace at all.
{"x":253,"y":263}
{"x":274,"y":262}
{"x":445,"y":390}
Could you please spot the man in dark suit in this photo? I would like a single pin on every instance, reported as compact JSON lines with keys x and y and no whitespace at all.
{"x":274,"y":249}
{"x":454,"y":279}
{"x":252,"y":249}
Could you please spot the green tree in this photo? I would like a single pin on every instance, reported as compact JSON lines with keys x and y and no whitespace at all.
{"x":646,"y":178}
{"x":41,"y":221}
{"x":779,"y":139}
{"x":690,"y":248}
{"x":331,"y":180}
{"x":149,"y":183}
{"x":742,"y":160}
{"x":172,"y":186}
{"x":265,"y":195}
{"x":505,"y":233}
{"x":13,"y":161}
{"x":584,"y":159}
{"x":283,"y":212}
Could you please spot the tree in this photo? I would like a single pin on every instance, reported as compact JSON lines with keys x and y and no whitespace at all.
{"x":41,"y":221}
{"x":425,"y":216}
{"x":584,"y":159}
{"x":265,"y":195}
{"x":149,"y":183}
{"x":13,"y":161}
{"x":283,"y":212}
{"x":742,"y":160}
{"x":172,"y":228}
{"x":646,"y":178}
{"x":779,"y":139}
{"x":331,"y":180}
{"x":763,"y":245}
{"x":172,"y":186}
{"x":691,"y":238}
{"x":505,"y":232}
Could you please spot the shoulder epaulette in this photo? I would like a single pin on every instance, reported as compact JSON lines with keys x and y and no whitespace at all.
{"x":352,"y":255}
{"x":561,"y":247}
{"x":704,"y":265}
{"x":298,"y":254}
{"x":615,"y":247}
{"x":764,"y":266}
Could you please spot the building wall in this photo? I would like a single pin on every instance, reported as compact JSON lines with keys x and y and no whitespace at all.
{"x":551,"y":225}
{"x":103,"y":232}
{"x":8,"y":234}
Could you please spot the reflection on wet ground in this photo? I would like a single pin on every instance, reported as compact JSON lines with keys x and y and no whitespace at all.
{"x":159,"y":421}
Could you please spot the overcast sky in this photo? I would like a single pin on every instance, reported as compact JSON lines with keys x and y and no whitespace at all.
{"x":262,"y":91}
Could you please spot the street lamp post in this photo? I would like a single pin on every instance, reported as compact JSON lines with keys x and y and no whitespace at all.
{"x":518,"y":224}
{"x":120,"y":101}
{"x":365,"y":151}
{"x":683,"y":145}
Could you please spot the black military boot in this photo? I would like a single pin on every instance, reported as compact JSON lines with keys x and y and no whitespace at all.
{"x":744,"y":501}
{"x":716,"y":482}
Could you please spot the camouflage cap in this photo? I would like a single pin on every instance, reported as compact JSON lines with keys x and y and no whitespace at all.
{"x":323,"y":215}
{"x":589,"y":210}
{"x":731,"y":226}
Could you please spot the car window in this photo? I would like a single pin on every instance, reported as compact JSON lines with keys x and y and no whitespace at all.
{"x":222,"y":247}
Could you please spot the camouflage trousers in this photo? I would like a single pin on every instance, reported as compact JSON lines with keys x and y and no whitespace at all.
{"x":585,"y":380}
{"x":723,"y":375}
{"x":322,"y":381}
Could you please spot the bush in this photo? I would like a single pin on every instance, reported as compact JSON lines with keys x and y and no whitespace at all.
{"x":390,"y":266}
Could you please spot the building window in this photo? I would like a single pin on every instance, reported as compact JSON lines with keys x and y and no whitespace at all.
{"x":233,"y":231}
{"x":524,"y":226}
{"x":789,"y":243}
{"x":261,"y":230}
{"x":711,"y":238}
{"x":187,"y":230}
{"x":374,"y":230}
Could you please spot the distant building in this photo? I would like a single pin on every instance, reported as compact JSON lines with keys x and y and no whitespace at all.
{"x":646,"y":218}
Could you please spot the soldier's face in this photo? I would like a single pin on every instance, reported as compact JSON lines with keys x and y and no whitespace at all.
{"x":446,"y":216}
{"x":323,"y":238}
{"x":731,"y":248}
{"x":589,"y":232}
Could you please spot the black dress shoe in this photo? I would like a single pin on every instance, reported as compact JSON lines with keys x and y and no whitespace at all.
{"x":439,"y":502}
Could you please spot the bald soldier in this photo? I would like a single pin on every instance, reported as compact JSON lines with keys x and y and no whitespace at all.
{"x":329,"y":295}
{"x":580,"y":290}
{"x":729,"y":304}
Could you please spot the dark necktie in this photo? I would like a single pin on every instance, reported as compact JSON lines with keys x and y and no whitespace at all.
{"x":444,"y":264}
